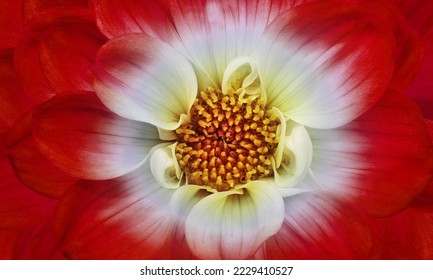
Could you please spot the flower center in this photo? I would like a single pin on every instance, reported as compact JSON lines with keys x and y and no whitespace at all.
{"x":228,"y":140}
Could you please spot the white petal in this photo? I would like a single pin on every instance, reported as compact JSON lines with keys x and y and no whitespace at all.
{"x":232,"y":225}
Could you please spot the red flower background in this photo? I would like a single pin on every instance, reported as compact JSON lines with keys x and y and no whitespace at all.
{"x":70,"y":187}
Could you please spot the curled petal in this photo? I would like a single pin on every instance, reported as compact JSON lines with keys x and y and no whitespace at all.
{"x":296,"y":159}
{"x":233,"y":224}
{"x":213,"y":33}
{"x":242,"y":73}
{"x":144,"y":79}
{"x":165,"y":168}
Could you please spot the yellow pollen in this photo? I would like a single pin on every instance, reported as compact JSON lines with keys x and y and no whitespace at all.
{"x":229,"y":140}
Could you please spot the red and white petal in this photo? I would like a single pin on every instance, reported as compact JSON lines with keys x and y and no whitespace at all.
{"x":182,"y":202}
{"x":56,"y":51}
{"x":380,"y":161}
{"x":30,"y":166}
{"x":212,"y":33}
{"x":123,"y":218}
{"x":323,"y":64}
{"x":10,"y":23}
{"x":120,"y":17}
{"x":144,"y":79}
{"x":233,"y":224}
{"x":320,"y":226}
{"x":13,"y":99}
{"x":80,"y":135}
{"x":19,"y":205}
{"x":409,"y":235}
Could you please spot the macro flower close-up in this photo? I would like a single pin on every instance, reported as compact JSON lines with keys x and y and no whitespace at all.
{"x":216,"y":129}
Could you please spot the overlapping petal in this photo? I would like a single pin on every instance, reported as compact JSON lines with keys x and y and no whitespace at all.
{"x":19,"y":206}
{"x":419,"y":14}
{"x":33,"y":243}
{"x":322,"y":226}
{"x":13,"y":99}
{"x":55,"y":52}
{"x":30,"y":166}
{"x":421,"y":90}
{"x":120,"y":17}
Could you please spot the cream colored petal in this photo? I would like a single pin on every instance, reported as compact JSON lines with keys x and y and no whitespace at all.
{"x":233,"y":224}
{"x":242,"y":73}
{"x":296,"y":159}
{"x":165,"y":168}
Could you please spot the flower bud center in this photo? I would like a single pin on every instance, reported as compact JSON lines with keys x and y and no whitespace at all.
{"x":229,"y":140}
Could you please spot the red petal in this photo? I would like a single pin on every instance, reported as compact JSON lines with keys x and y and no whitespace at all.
{"x":421,"y":89}
{"x":35,"y":243}
{"x":31,"y":167}
{"x":57,"y":49}
{"x":81,"y":136}
{"x":320,"y":226}
{"x":119,"y":17}
{"x":410,"y":235}
{"x":10,"y":23}
{"x":381,"y":160}
{"x":419,"y":13}
{"x":13,"y":100}
{"x":408,"y":58}
{"x":34,"y":7}
{"x":124,"y":218}
{"x":19,"y":206}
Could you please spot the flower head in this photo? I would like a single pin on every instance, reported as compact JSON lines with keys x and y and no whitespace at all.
{"x":237,"y":129}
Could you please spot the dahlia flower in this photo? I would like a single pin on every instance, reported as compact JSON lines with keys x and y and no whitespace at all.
{"x":221,"y":129}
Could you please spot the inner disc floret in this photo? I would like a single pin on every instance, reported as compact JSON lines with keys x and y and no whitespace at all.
{"x":229,"y":140}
